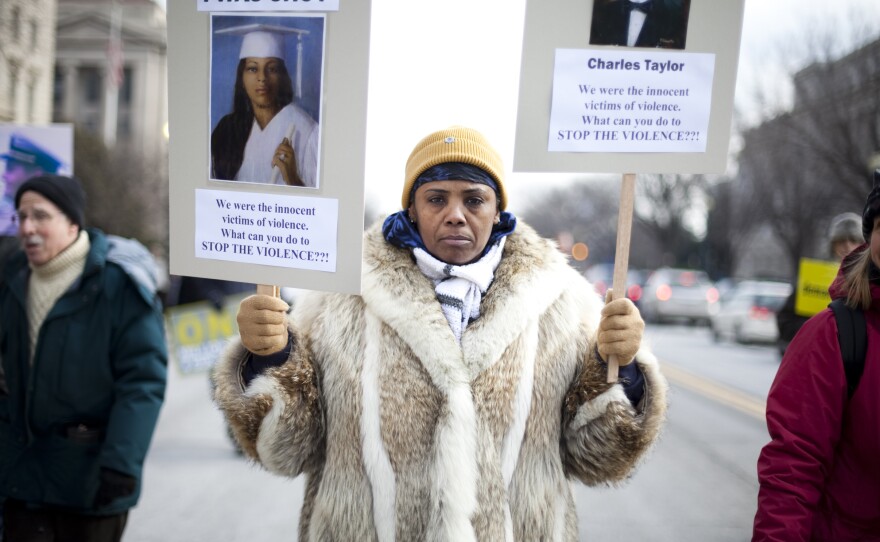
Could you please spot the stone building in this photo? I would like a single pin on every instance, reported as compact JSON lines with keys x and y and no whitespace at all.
{"x":88,"y":82}
{"x":27,"y":54}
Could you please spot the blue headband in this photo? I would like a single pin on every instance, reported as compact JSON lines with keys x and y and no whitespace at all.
{"x":454,"y":171}
{"x":400,"y":232}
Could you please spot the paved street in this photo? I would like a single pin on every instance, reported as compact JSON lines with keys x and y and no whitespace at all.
{"x":198,"y":489}
{"x":698,"y":484}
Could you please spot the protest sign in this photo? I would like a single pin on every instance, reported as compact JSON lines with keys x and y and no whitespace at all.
{"x":814,"y":278}
{"x":687,"y":79}
{"x":198,"y":332}
{"x":307,"y":154}
{"x":606,"y":86}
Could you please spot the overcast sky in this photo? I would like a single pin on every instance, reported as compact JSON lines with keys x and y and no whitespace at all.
{"x":462,"y":67}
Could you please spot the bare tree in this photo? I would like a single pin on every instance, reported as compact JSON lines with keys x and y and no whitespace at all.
{"x":721,"y":220}
{"x":836,"y":118}
{"x":586,"y":210}
{"x":127,"y":192}
{"x":801,"y":167}
{"x":663,"y":205}
{"x":779,"y":190}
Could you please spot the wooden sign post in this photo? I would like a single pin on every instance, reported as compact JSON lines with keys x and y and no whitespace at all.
{"x":268,"y":289}
{"x":621,"y":253}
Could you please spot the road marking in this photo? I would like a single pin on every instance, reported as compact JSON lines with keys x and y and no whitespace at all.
{"x":743,"y":402}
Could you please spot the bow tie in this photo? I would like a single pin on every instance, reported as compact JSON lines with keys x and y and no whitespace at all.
{"x":644,"y":7}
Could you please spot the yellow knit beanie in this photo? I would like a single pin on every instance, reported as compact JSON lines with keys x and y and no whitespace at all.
{"x":454,"y":144}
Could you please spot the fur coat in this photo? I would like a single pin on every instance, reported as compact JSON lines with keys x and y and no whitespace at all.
{"x":405,"y":435}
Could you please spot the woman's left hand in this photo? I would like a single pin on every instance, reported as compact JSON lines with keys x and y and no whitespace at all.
{"x":285,"y":160}
{"x":620,"y":330}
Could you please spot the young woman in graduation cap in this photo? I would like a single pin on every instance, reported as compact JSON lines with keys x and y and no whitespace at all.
{"x":265,"y":130}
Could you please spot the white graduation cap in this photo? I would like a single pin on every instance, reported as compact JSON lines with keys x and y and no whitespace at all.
{"x":267,"y":40}
{"x":262,"y":40}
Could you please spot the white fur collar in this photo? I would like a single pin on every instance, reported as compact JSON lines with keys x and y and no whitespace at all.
{"x":532,"y":274}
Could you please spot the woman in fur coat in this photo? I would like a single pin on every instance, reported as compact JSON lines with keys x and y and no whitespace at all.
{"x":456,"y":397}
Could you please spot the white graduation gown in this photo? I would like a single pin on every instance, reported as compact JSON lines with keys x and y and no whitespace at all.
{"x":261,"y":144}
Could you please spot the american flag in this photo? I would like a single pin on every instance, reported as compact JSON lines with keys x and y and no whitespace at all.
{"x":115,"y":56}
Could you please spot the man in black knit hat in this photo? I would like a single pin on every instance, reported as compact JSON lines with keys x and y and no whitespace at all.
{"x":83,"y":352}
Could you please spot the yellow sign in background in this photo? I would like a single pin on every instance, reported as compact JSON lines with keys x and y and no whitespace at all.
{"x":814,"y":278}
{"x":198,"y":332}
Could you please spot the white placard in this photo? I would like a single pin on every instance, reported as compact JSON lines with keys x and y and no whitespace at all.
{"x":630,"y":101}
{"x":281,"y":231}
{"x":711,"y":28}
{"x":268,"y":5}
{"x":342,"y":114}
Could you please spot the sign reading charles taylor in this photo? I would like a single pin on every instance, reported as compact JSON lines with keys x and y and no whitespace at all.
{"x":627,"y":101}
{"x":620,"y":86}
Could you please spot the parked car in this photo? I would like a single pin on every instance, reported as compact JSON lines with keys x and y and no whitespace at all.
{"x":748,"y":312}
{"x":679,"y":294}
{"x":724,"y":285}
{"x":601,"y":276}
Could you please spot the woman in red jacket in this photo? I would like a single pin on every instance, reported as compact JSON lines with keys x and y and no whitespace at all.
{"x":820,"y":472}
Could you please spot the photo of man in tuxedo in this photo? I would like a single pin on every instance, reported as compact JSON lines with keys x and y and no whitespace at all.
{"x":640,"y":23}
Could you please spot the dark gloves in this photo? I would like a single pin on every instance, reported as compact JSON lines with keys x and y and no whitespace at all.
{"x":113,"y":485}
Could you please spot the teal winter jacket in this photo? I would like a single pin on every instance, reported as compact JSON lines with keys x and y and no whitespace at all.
{"x":92,"y":395}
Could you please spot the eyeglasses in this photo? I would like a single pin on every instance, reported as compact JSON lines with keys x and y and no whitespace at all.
{"x":38,"y":216}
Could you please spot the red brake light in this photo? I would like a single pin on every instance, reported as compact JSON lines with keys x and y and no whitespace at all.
{"x":759,"y":313}
{"x":712,"y":295}
{"x":664,"y":292}
{"x":634,"y":292}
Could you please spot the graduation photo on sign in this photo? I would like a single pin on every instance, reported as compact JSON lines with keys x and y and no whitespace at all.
{"x":265,"y":99}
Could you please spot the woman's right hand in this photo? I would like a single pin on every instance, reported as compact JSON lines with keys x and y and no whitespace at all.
{"x":262,"y":324}
{"x":285,"y":160}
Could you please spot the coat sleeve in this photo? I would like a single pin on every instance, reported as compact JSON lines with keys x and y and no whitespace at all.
{"x":604,"y":435}
{"x":139,"y":359}
{"x":804,"y":416}
{"x":278,"y":418}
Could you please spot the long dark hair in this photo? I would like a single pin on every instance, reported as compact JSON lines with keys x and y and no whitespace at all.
{"x":857,"y":279}
{"x":231,"y":134}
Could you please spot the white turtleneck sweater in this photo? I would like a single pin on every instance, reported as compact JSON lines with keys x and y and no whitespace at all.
{"x":49,"y":281}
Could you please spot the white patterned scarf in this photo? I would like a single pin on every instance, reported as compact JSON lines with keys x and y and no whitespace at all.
{"x":460,"y":288}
